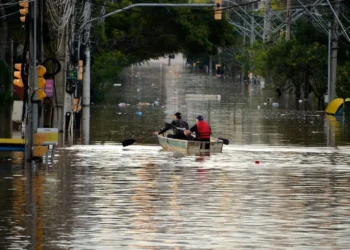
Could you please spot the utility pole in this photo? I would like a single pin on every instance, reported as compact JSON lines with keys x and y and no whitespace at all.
{"x":11,"y":88}
{"x":60,"y":82}
{"x":329,"y":62}
{"x":288,"y":20}
{"x":252,"y":35}
{"x":11,"y":63}
{"x":244,"y":43}
{"x":267,"y":21}
{"x":32,"y":109}
{"x":244,"y":25}
{"x":210,"y":66}
{"x":334,"y":53}
{"x":86,"y":75}
{"x":86,"y":98}
{"x":35,"y":73}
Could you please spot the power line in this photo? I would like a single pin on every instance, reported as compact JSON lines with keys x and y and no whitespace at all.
{"x":222,"y":8}
{"x":8,"y":4}
{"x":319,"y":12}
{"x":10,"y":14}
{"x":12,"y":3}
{"x":340,"y":23}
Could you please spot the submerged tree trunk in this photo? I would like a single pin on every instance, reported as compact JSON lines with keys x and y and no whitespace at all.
{"x":307,"y":84}
{"x":297,"y":92}
{"x":320,"y":105}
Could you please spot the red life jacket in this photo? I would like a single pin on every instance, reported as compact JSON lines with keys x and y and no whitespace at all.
{"x":203,"y":130}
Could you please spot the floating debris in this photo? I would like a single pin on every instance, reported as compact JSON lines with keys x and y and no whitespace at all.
{"x":144,"y":104}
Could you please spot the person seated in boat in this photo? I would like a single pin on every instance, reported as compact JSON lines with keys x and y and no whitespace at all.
{"x":175,"y":125}
{"x":201,"y":128}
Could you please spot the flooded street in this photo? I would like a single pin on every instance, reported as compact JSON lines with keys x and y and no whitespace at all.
{"x":282,"y":183}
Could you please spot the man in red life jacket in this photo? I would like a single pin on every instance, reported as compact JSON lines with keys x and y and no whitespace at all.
{"x":202,"y":129}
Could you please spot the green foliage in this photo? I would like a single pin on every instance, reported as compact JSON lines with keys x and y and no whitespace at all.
{"x":277,"y":5}
{"x":107,"y":65}
{"x":343,"y":81}
{"x":105,"y":70}
{"x":141,"y":34}
{"x":5,"y":83}
{"x":316,"y":55}
{"x":307,"y":34}
{"x":145,"y":33}
{"x":287,"y":64}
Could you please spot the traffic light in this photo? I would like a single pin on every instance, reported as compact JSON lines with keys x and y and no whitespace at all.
{"x":41,"y":82}
{"x":18,"y":74}
{"x":23,"y":10}
{"x":80,"y":72}
{"x":217,"y":9}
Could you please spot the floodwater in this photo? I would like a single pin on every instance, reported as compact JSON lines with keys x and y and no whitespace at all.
{"x":282,"y":183}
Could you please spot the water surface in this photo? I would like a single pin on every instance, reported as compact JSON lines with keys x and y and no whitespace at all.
{"x":282,"y":183}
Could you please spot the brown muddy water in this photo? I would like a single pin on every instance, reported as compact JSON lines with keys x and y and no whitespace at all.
{"x":282,"y":183}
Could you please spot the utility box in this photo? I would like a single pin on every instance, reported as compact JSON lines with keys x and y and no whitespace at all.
{"x":39,"y":139}
{"x":51,"y":135}
{"x":45,"y":141}
{"x":40,"y":151}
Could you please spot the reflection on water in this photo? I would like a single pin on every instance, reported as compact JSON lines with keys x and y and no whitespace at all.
{"x":267,"y":190}
{"x":251,"y":118}
{"x":107,"y":197}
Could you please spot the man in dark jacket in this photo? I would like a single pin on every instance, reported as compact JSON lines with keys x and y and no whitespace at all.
{"x":201,"y":128}
{"x":176,"y":123}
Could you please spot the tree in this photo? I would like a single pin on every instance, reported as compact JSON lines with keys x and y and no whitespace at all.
{"x":343,"y":81}
{"x":287,"y":64}
{"x":317,"y":66}
{"x":280,"y":63}
{"x":141,"y":34}
{"x":105,"y":70}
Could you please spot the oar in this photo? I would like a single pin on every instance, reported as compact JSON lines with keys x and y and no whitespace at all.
{"x":129,"y":142}
{"x":225,"y":141}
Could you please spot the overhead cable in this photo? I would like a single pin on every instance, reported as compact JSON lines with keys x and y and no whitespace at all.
{"x":340,"y":23}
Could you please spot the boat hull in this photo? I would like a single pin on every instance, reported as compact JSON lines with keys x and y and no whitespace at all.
{"x":190,"y":147}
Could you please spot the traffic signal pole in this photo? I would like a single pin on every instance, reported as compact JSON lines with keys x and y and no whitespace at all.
{"x":35,"y":73}
{"x":33,"y":115}
{"x":334,"y":53}
{"x":34,"y":93}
